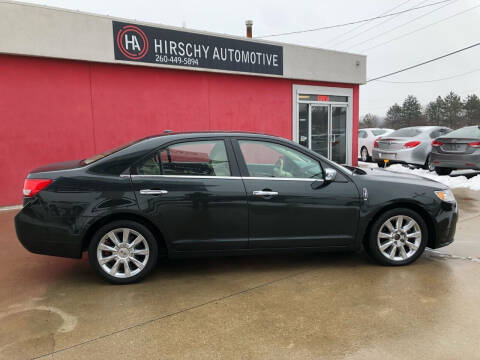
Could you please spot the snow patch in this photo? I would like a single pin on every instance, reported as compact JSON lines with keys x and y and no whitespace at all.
{"x":455,"y":181}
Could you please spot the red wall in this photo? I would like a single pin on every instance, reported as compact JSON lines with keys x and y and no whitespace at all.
{"x":55,"y":110}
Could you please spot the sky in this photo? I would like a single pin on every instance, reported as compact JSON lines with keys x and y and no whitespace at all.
{"x":390,"y":43}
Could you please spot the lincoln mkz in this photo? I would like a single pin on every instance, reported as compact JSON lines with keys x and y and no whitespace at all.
{"x":218,"y":193}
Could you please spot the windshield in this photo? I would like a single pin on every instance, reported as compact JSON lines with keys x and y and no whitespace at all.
{"x":406,"y":132}
{"x":97,"y":157}
{"x":379,"y":132}
{"x":468,"y":132}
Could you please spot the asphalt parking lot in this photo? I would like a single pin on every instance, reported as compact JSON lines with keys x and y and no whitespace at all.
{"x":331,"y":306}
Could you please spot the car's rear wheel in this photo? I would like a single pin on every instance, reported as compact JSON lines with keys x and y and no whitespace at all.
{"x":398,"y":237}
{"x":364,"y":154}
{"x":429,"y":164}
{"x":123,"y":252}
{"x":443,"y":171}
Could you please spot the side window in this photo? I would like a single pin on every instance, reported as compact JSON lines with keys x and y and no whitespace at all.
{"x":362,"y":134}
{"x":266,"y":159}
{"x":197,"y":158}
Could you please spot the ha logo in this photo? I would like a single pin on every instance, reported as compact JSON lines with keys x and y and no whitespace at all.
{"x":132,"y":42}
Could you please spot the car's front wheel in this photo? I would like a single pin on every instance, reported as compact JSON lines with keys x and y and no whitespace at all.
{"x":123,"y":252}
{"x":398,"y":237}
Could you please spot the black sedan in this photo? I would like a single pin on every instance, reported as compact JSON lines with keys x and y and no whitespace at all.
{"x":218,"y":193}
{"x":459,"y":149}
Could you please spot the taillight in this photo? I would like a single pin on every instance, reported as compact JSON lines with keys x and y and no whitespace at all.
{"x":375,"y":143}
{"x":436,"y":143}
{"x":411,"y":144}
{"x":475,"y":144}
{"x":32,"y":187}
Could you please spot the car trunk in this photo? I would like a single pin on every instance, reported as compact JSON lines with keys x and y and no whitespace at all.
{"x":456,"y":145}
{"x":392,"y":143}
{"x":66,"y":165}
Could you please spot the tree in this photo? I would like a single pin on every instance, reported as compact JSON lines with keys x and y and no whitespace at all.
{"x":411,"y":112}
{"x":449,"y":111}
{"x":393,"y":117}
{"x":434,"y":112}
{"x":472,"y":110}
{"x":369,"y":121}
{"x":452,"y":110}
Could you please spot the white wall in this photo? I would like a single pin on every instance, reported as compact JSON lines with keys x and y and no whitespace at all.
{"x":50,"y":32}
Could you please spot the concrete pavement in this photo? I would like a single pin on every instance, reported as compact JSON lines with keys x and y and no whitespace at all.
{"x":316,"y":306}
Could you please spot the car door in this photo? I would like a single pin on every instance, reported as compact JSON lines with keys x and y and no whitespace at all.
{"x":288,"y":205}
{"x":193,"y":191}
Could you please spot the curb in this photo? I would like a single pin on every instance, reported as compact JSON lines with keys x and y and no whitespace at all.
{"x":13,"y":207}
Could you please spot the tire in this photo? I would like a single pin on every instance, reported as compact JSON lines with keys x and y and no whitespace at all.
{"x":364,"y":156}
{"x":429,"y":164}
{"x":378,"y":247}
{"x":381,"y":164}
{"x":132,"y":263}
{"x":443,"y":171}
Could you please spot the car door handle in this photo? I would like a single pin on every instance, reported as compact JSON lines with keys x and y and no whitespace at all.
{"x":265,"y":193}
{"x":153,"y":192}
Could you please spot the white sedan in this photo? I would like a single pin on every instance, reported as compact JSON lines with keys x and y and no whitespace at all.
{"x":366,"y":138}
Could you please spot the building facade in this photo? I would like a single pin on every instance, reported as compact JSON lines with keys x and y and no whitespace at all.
{"x":74,"y":84}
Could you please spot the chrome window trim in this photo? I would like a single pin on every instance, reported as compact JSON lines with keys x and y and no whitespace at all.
{"x":225,"y":177}
{"x":188,"y":176}
{"x":280,"y":178}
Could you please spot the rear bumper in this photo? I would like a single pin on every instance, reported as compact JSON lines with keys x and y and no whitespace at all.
{"x":445,"y":225}
{"x":456,"y":161}
{"x":47,"y":236}
{"x":407,"y":156}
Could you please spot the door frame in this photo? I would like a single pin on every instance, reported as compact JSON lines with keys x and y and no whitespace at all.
{"x":324,"y":90}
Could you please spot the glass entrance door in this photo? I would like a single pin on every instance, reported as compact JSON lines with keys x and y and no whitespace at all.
{"x":323,"y":129}
{"x":318,"y":130}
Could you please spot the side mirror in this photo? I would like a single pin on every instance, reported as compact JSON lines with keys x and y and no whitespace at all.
{"x":330,"y":174}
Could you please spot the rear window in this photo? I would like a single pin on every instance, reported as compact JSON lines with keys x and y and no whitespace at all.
{"x":405,"y":132}
{"x":379,"y":132}
{"x":97,"y":157}
{"x":468,"y":132}
{"x":191,"y":158}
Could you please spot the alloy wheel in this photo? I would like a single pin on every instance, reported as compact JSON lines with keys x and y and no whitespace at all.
{"x":430,"y":165}
{"x":123,"y":252}
{"x":399,"y":238}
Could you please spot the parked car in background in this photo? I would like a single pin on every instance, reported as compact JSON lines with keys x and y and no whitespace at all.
{"x":366,"y":138}
{"x":459,"y":149}
{"x":204,"y":194}
{"x":411,"y":145}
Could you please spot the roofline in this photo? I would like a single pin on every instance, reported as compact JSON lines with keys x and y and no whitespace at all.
{"x":211,"y":133}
